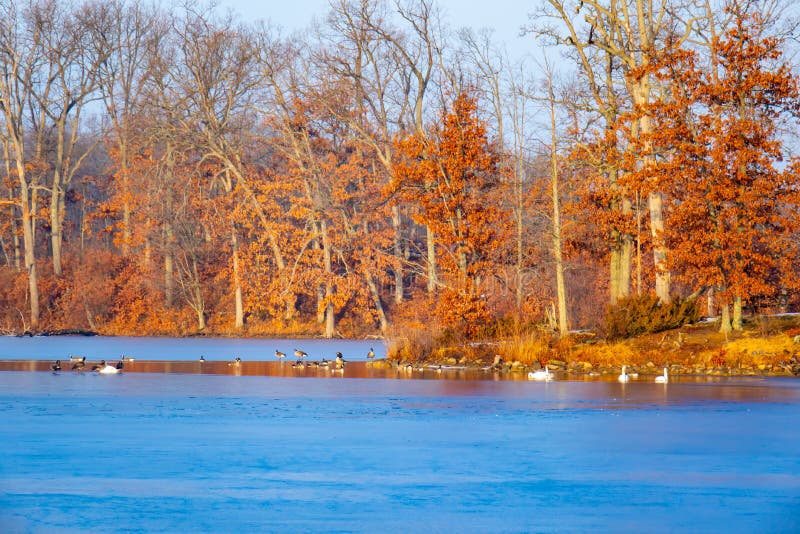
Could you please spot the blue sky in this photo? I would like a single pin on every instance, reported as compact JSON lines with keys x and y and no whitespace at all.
{"x":504,"y":16}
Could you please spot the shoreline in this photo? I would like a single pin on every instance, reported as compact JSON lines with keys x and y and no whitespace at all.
{"x":388,"y":369}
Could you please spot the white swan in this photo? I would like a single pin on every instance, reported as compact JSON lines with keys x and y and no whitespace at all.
{"x":624,"y":376}
{"x":541,"y":374}
{"x":108,"y":370}
{"x":663,"y":379}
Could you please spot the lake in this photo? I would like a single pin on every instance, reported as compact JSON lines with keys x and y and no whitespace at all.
{"x":186,"y":452}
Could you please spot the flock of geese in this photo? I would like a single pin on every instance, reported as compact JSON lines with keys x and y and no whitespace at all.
{"x":547,"y":375}
{"x":78,"y":363}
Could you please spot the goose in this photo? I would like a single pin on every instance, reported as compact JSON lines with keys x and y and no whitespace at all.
{"x":542,"y":374}
{"x":77,"y":358}
{"x":299,"y":364}
{"x":280,"y":355}
{"x":236,"y":362}
{"x":624,"y":376}
{"x":300,"y":353}
{"x":79,"y":364}
{"x":56,"y":366}
{"x":371,"y":353}
{"x":202,"y":359}
{"x":124,"y":358}
{"x":663,"y":379}
{"x":98,"y":366}
{"x":339,"y":361}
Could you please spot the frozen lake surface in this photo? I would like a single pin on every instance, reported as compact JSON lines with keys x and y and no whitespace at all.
{"x":151,"y":452}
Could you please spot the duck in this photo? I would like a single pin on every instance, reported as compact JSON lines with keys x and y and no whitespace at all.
{"x":371,"y":353}
{"x":624,"y":376}
{"x":542,"y":374}
{"x":280,"y":355}
{"x":663,"y":379}
{"x":300,"y":353}
{"x":79,"y":364}
{"x":56,"y":367}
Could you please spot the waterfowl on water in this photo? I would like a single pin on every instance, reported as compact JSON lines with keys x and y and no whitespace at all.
{"x":124,"y":358}
{"x":542,"y":374}
{"x":202,"y":359}
{"x":77,"y":358}
{"x":79,"y":364}
{"x":280,"y":355}
{"x":56,"y":366}
{"x":663,"y":379}
{"x":98,"y":366}
{"x":237,"y":361}
{"x":300,"y":353}
{"x":110,"y":369}
{"x":624,"y":376}
{"x":339,"y":360}
{"x":299,"y":364}
{"x":371,"y":353}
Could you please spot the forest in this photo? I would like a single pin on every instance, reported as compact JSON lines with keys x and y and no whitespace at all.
{"x":179,"y":171}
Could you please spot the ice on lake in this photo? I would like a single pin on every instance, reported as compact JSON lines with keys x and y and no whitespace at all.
{"x":151,"y":452}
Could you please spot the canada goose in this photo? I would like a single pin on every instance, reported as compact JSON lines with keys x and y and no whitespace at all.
{"x":236,"y":362}
{"x":124,"y":358}
{"x":98,"y":366}
{"x":371,"y":353}
{"x":300,"y":353}
{"x":542,"y":374}
{"x":280,"y":355}
{"x":77,"y":358}
{"x":202,"y":359}
{"x":624,"y":376}
{"x":79,"y":364}
{"x":56,"y":366}
{"x":663,"y":379}
{"x":339,"y":360}
{"x":119,"y":365}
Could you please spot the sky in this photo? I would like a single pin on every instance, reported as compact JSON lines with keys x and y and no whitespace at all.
{"x":504,"y":16}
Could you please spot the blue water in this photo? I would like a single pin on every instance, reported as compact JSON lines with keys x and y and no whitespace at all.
{"x":142,"y":452}
{"x":164,"y":348}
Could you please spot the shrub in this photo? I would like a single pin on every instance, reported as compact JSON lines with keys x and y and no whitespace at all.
{"x":645,"y":314}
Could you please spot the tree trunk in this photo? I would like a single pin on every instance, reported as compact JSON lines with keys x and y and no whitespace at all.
{"x":169,"y":270}
{"x":563,"y":326}
{"x":55,"y":226}
{"x":237,"y":285}
{"x":737,"y":313}
{"x":376,"y":299}
{"x":398,"y":255}
{"x":655,"y":202}
{"x":28,"y":242}
{"x":725,"y":319}
{"x":330,"y":319}
{"x":433,"y":281}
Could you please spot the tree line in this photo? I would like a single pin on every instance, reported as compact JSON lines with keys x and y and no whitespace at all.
{"x":170,"y":170}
